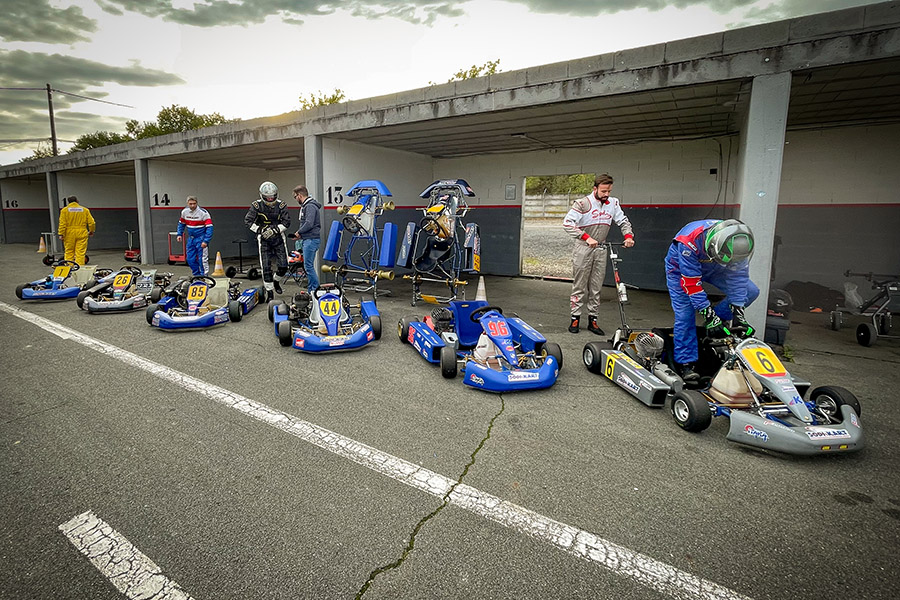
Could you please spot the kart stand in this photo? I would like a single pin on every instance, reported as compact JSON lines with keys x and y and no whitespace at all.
{"x":177,"y":251}
{"x":132,"y":253}
{"x":51,"y":257}
{"x":879,"y":308}
{"x":231,"y":271}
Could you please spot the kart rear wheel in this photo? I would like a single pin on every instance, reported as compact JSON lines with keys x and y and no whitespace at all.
{"x":866,"y":334}
{"x":691,"y":411}
{"x":253,"y":274}
{"x":448,"y":362}
{"x":375,"y":324}
{"x":403,"y":328}
{"x":230,"y":272}
{"x":592,"y":357}
{"x":47,"y":260}
{"x":151,"y":310}
{"x":82,"y":295}
{"x":235,"y":311}
{"x":285,"y":335}
{"x":830,"y":398}
{"x":20,"y":289}
{"x":837,"y":319}
{"x":282,"y":309}
{"x":156,"y":294}
{"x":270,"y":309}
{"x":553,"y":349}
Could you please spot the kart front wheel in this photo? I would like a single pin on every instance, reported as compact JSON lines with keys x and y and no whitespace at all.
{"x":375,"y":324}
{"x":592,"y":357}
{"x":691,"y":411}
{"x":830,"y":398}
{"x":235,"y":311}
{"x":151,"y":310}
{"x":20,"y":289}
{"x":553,"y":349}
{"x":253,"y":274}
{"x":270,"y":309}
{"x":403,"y":328}
{"x":866,"y":334}
{"x":82,"y":296}
{"x":448,"y":362}
{"x":230,"y":272}
{"x":285,"y":335}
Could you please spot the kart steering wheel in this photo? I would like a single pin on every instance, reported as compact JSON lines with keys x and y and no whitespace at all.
{"x":479,"y":312}
{"x":73,"y":266}
{"x":132,"y":269}
{"x":209,"y":280}
{"x":434,"y":227}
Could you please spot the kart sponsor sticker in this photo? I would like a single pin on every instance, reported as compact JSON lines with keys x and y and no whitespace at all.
{"x":854,"y":420}
{"x":303,"y":333}
{"x":763,"y":361}
{"x":476,"y":262}
{"x":476,"y":379}
{"x":336,"y":340}
{"x":815,"y":433}
{"x":626,"y":382}
{"x":369,"y":336}
{"x":220,"y":317}
{"x":757,"y":433}
{"x":523,"y":376}
{"x":796,"y":400}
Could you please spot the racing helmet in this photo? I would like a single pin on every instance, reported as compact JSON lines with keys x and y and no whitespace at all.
{"x":729,"y":242}
{"x":268,"y":192}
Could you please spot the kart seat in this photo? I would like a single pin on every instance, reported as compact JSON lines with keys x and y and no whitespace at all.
{"x":435,"y":252}
{"x":218,"y":296}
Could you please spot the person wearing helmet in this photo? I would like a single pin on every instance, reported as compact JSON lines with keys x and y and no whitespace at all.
{"x":717,"y":252}
{"x":268,"y":218}
{"x":198,"y":225}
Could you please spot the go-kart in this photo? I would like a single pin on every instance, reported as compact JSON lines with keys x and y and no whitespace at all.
{"x":357,"y":233}
{"x":495,"y":353}
{"x":200,"y":301}
{"x":66,"y":281}
{"x":439,"y":249}
{"x":325,"y":321}
{"x":126,"y":289}
{"x":878,"y":309}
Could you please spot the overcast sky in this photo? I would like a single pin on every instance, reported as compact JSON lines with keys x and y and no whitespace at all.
{"x":254,"y":58}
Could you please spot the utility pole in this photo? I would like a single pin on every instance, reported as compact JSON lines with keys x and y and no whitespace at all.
{"x":52,"y":121}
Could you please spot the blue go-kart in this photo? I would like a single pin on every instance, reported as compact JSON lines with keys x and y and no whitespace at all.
{"x":325,"y":321}
{"x":66,"y":281}
{"x":200,"y":301}
{"x":495,"y":353}
{"x":365,"y":255}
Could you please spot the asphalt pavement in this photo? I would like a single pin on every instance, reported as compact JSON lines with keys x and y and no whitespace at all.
{"x":242,"y":469}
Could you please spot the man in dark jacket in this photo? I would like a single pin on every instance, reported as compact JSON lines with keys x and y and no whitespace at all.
{"x":309,"y":234}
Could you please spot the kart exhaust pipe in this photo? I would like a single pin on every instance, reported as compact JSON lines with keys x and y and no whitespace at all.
{"x":389,"y":205}
{"x":341,"y":210}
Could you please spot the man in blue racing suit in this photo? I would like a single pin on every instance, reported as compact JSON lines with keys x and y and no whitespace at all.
{"x":717,"y":252}
{"x":268,"y":218}
{"x":199,"y":226}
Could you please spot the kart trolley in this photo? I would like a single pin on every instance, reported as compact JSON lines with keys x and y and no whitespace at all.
{"x":878,"y":308}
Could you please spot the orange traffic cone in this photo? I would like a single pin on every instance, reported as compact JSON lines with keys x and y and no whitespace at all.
{"x":219,"y":271}
{"x":43,"y":247}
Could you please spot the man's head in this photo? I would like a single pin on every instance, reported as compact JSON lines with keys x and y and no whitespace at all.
{"x":192,"y":202}
{"x":301,"y":193}
{"x":729,"y":243}
{"x":70,"y":199}
{"x":602,"y":186}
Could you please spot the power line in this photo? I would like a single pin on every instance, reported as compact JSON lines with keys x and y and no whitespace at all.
{"x":30,"y":89}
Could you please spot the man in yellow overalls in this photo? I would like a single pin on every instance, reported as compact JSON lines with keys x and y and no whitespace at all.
{"x":75,"y":226}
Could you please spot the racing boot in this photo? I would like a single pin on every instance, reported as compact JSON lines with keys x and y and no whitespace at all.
{"x":573,"y":326}
{"x":277,"y":285}
{"x":688,"y":374}
{"x":592,"y":325}
{"x":270,"y":295}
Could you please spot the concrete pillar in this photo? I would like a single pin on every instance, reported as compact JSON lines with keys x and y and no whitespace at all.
{"x":145,"y":227}
{"x":53,"y":201}
{"x":312,"y":158}
{"x":759,"y":178}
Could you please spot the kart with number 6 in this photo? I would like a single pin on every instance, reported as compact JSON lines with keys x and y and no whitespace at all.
{"x":200,"y":301}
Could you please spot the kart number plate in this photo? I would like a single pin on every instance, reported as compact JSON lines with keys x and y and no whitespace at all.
{"x":61,"y":272}
{"x":355,"y":209}
{"x":763,"y":362}
{"x":610,"y":367}
{"x":122,"y":280}
{"x":197,"y":293}
{"x":476,"y":262}
{"x":329,"y":308}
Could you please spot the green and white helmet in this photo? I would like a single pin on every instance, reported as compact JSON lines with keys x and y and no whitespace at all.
{"x":729,"y":242}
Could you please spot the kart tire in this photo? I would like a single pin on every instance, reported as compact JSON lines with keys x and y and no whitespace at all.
{"x":285,"y":334}
{"x":151,"y":310}
{"x":448,"y":362}
{"x":403,"y":328}
{"x":230,"y":272}
{"x":592,"y":357}
{"x":235,"y":311}
{"x":691,"y":411}
{"x":884,"y":323}
{"x":837,"y":319}
{"x":82,"y":296}
{"x":156,"y":294}
{"x":253,"y":274}
{"x":20,"y":289}
{"x":47,"y":260}
{"x":866,"y":334}
{"x":830,"y":398}
{"x":270,"y":309}
{"x":375,"y":324}
{"x":171,"y":262}
{"x":553,"y":349}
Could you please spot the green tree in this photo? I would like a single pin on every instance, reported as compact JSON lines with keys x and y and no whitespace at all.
{"x":491,"y":67}
{"x":44,"y":150}
{"x":557,"y":185}
{"x":173,"y":119}
{"x":320,"y":99}
{"x":98,"y":139}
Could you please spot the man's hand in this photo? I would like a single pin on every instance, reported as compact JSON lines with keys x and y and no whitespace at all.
{"x":715,"y":328}
{"x":203,"y":244}
{"x":178,"y":238}
{"x":591,"y":242}
{"x":269,"y":232}
{"x":739,"y":323}
{"x":629,"y":242}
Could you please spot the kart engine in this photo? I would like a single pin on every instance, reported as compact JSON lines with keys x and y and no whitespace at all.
{"x":442,"y":318}
{"x":648,"y":345}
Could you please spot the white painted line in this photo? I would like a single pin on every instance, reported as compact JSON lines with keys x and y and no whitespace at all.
{"x":133,"y":574}
{"x":648,"y":571}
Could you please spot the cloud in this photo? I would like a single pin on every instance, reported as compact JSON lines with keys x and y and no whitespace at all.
{"x":23,"y":114}
{"x":37,"y":21}
{"x":795,"y":8}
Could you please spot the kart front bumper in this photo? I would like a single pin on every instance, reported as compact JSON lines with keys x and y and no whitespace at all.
{"x":310,"y":342}
{"x":93,"y":305}
{"x":491,"y":380}
{"x":169,"y":322}
{"x":752,"y":430}
{"x":58,"y":294}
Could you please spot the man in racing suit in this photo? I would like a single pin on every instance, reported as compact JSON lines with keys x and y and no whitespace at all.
{"x":268,"y":218}
{"x":717,"y":252}
{"x":200,"y":231}
{"x":76,"y":225}
{"x":588,"y":221}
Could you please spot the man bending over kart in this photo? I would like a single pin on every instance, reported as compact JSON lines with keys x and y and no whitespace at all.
{"x":717,"y":252}
{"x":199,"y":228}
{"x":268,"y":218}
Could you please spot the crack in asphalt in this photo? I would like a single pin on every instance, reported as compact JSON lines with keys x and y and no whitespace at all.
{"x":411,"y":543}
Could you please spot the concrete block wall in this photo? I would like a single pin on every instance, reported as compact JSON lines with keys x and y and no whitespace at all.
{"x":25,"y":211}
{"x":112,"y":202}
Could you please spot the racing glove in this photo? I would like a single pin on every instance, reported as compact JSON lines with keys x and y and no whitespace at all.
{"x":739,"y":324}
{"x":269,"y":232}
{"x":715,"y":328}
